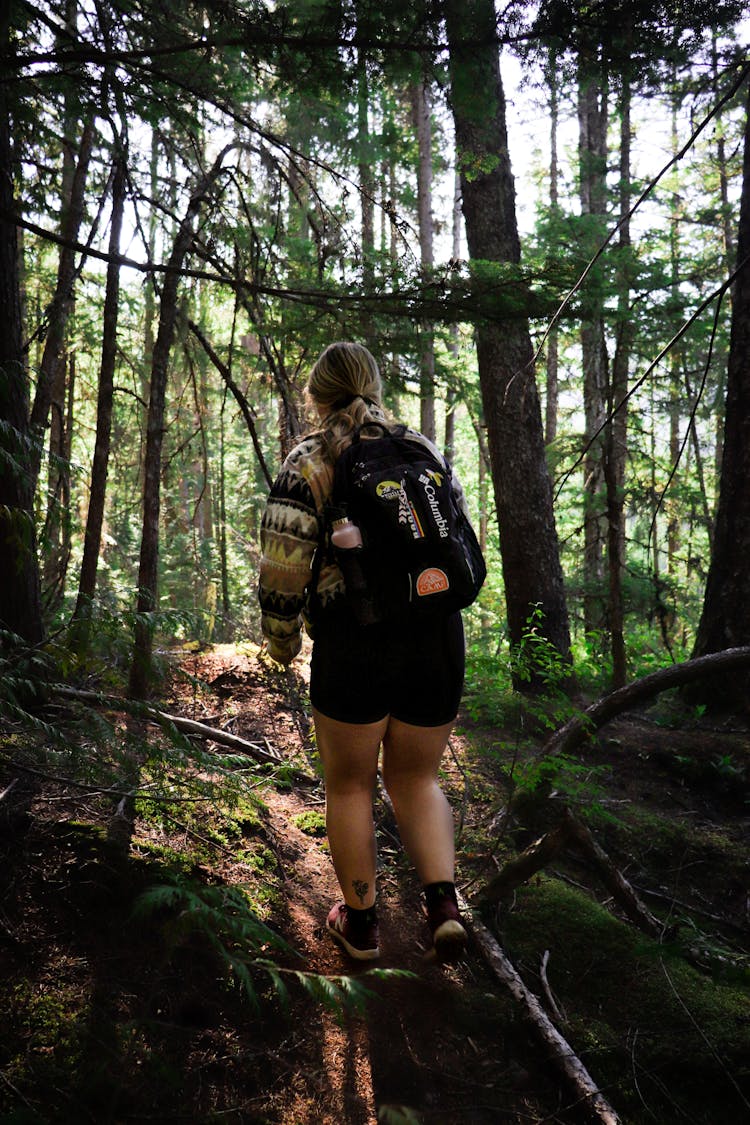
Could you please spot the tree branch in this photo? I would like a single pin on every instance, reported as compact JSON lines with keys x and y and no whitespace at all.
{"x":582,"y":726}
{"x":186,"y":726}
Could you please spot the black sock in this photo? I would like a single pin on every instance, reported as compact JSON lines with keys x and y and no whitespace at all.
{"x":435,"y":892}
{"x":359,"y":920}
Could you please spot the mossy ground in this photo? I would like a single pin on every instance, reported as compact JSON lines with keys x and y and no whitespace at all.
{"x":114,"y":1016}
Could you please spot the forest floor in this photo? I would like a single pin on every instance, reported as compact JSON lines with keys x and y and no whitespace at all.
{"x":111,"y":1015}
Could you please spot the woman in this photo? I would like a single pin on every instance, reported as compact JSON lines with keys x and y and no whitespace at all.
{"x":396,"y":684}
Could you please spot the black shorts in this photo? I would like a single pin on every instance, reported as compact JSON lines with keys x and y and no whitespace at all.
{"x":412,"y":669}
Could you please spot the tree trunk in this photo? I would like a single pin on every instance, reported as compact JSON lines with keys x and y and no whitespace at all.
{"x":62,"y":302}
{"x":226,"y":607}
{"x":366,"y":191}
{"x":615,"y":450}
{"x":140,"y":670}
{"x":100,"y":464}
{"x":727,"y":213}
{"x":730,"y":664}
{"x":454,"y":342}
{"x":552,"y":388}
{"x":20,"y":603}
{"x":725,"y":620}
{"x":523,"y":493}
{"x":422,"y":116}
{"x":592,"y":150}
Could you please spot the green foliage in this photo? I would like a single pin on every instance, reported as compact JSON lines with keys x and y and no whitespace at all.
{"x":535,"y":659}
{"x":311,"y":822}
{"x":52,"y":1028}
{"x":398,"y":1115}
{"x":565,"y":776}
{"x":246,"y":946}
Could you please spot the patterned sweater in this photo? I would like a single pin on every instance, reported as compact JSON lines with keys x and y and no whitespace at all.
{"x":290,"y":533}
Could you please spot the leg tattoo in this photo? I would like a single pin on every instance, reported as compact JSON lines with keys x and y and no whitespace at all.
{"x":360,"y":889}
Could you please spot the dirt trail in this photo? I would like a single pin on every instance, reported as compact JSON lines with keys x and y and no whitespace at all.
{"x":427,"y":1048}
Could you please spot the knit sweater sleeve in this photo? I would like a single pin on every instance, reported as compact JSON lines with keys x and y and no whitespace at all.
{"x":290,"y":532}
{"x":289,"y":535}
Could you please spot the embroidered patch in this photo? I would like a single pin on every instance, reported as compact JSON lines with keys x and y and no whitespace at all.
{"x":389,"y":489}
{"x":432,"y":581}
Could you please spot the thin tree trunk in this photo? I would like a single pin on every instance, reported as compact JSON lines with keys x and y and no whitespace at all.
{"x":56,"y":473}
{"x":592,"y":147}
{"x":58,"y":524}
{"x":671,"y":506}
{"x":57,"y":469}
{"x":707,"y":518}
{"x":366,"y":191}
{"x":729,"y":665}
{"x":422,"y":116}
{"x":100,"y":464}
{"x":226,"y":373}
{"x":62,"y":301}
{"x":727,"y":216}
{"x":552,"y":387}
{"x":483,"y":466}
{"x":523,"y":493}
{"x":616,"y":435}
{"x":223,"y":561}
{"x":20,"y":603}
{"x":140,"y":670}
{"x":453,"y":343}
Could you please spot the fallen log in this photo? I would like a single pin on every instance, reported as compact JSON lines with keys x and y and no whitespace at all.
{"x":571,"y":830}
{"x":612,"y":877}
{"x":186,"y":726}
{"x":561,"y":1053}
{"x":582,"y":726}
{"x":521,"y":868}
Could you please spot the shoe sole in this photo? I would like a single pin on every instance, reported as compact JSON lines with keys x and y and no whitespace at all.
{"x":449,"y":940}
{"x":352,"y":950}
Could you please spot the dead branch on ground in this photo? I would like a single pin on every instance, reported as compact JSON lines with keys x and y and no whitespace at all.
{"x":562,"y":1054}
{"x":186,"y":726}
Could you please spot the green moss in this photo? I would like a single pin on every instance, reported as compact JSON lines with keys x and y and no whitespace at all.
{"x":311,"y":822}
{"x":261,"y":859}
{"x":43,"y":1033}
{"x":620,"y":985}
{"x":168,"y":859}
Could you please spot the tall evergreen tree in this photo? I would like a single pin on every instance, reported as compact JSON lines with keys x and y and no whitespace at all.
{"x":20,"y":605}
{"x":523,"y":493}
{"x":725,"y":620}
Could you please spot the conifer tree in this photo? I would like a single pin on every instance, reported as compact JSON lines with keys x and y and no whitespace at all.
{"x":523,"y":494}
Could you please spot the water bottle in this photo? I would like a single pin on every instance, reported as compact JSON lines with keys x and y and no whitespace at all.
{"x":346,"y":538}
{"x":345,"y":535}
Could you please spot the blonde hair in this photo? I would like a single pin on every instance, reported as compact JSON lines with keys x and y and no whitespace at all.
{"x":345,"y":381}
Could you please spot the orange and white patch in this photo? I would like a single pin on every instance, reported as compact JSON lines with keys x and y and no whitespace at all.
{"x":432,"y":581}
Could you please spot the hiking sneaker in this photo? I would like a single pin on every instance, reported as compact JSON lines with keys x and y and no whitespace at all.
{"x":361,"y":946}
{"x":448,"y":934}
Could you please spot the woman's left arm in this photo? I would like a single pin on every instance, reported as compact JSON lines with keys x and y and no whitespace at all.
{"x":289,"y":536}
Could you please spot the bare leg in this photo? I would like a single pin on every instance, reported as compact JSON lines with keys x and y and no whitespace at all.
{"x":349,"y":753}
{"x":411,"y":758}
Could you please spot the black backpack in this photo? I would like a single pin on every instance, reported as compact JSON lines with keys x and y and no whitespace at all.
{"x":419,"y":550}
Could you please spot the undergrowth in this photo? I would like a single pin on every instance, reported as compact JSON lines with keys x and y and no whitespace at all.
{"x":211,"y":800}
